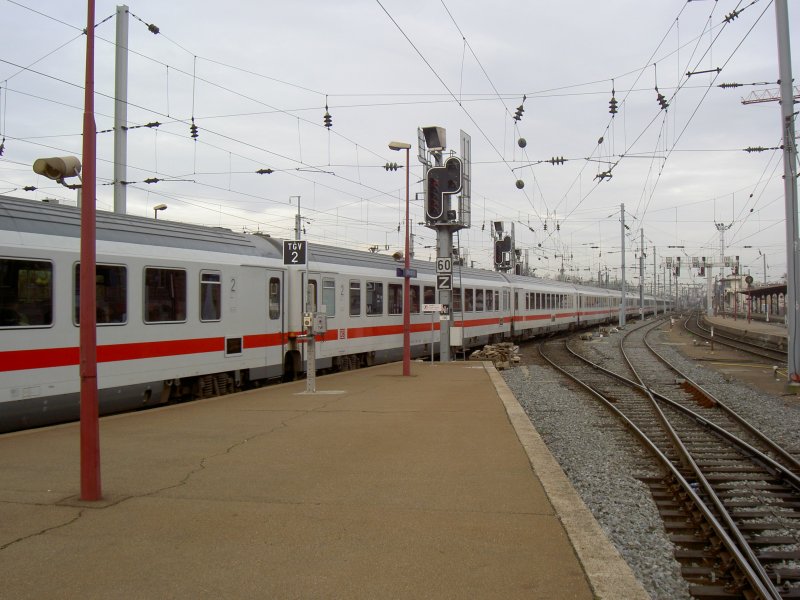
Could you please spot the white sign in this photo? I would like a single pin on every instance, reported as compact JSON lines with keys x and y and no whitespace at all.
{"x":431,"y":308}
{"x":444,"y":264}
{"x":444,"y":281}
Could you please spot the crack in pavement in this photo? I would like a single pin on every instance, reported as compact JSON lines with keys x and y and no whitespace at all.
{"x":200,"y":467}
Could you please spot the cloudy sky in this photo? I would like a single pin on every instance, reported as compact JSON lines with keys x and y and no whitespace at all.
{"x":256,"y":78}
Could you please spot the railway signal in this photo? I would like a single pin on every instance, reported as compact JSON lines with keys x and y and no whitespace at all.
{"x":441,"y":181}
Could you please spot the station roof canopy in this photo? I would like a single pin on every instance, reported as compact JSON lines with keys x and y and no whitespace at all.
{"x":765,"y":290}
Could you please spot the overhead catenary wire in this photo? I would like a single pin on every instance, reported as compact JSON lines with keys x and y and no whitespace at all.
{"x":503,"y":206}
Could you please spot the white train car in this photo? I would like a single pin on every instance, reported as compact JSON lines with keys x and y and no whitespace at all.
{"x":542,"y":306}
{"x":189,"y":312}
{"x":481,"y":308}
{"x":361,"y":295}
{"x":181,"y":311}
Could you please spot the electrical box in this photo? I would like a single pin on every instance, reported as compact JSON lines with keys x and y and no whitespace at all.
{"x":315,"y":323}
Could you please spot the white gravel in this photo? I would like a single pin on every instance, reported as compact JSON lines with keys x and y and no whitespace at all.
{"x":604,"y":461}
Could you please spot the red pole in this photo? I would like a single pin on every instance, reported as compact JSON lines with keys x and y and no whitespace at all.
{"x":90,"y":425}
{"x":407,"y":289}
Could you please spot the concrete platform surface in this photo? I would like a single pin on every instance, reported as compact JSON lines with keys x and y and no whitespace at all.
{"x":774,"y":333}
{"x":378,"y":486}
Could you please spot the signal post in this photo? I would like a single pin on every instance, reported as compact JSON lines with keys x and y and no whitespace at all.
{"x":447,"y":209}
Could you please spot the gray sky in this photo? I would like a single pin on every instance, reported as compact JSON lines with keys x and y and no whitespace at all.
{"x":256,"y":77}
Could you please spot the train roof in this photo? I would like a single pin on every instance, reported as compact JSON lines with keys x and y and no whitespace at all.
{"x":319,"y":253}
{"x":31,"y":216}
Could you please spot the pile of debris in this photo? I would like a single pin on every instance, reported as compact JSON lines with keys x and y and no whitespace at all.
{"x":503,"y":355}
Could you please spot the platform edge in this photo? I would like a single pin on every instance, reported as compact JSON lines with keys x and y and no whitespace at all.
{"x":609,"y":576}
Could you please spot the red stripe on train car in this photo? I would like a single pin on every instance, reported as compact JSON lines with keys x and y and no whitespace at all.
{"x":139,"y":350}
{"x":264,"y":340}
{"x":45,"y":358}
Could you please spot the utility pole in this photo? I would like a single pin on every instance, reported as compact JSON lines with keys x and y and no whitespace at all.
{"x":709,"y":289}
{"x":655,"y":281}
{"x":789,"y":186}
{"x":641,"y":273}
{"x":722,"y":228}
{"x":622,"y":306}
{"x":121,"y":112}
{"x":297,"y":225}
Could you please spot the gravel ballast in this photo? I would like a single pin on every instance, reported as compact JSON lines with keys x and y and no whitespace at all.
{"x":605,"y":463}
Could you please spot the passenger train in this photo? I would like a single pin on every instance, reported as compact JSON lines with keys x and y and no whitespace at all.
{"x":186,"y":311}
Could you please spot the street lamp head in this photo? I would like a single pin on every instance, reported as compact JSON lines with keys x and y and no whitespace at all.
{"x":58,"y":167}
{"x":157,"y":208}
{"x":399,"y":146}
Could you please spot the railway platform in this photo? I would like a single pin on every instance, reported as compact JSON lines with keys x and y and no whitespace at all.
{"x":377,"y":486}
{"x":774,"y":333}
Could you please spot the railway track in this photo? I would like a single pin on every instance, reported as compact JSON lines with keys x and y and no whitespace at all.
{"x":729,"y":497}
{"x":694,"y":325}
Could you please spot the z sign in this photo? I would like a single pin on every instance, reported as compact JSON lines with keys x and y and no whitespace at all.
{"x":294,"y":252}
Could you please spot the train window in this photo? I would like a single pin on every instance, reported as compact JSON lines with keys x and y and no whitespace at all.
{"x":210,"y":296}
{"x":478,"y":300}
{"x":355,"y":298}
{"x":26,"y":293}
{"x":505,"y":299}
{"x":329,"y":296}
{"x":456,"y":300}
{"x":164,"y":295}
{"x":374,"y":298}
{"x":415,"y":306}
{"x":527,"y":301}
{"x":429,"y":294}
{"x":111,"y":289}
{"x":274,"y":298}
{"x":395,"y":299}
{"x":489,"y":300}
{"x":233,"y":346}
{"x":468,"y":300}
{"x":311,"y":296}
{"x":516,"y":300}
{"x":497,"y":299}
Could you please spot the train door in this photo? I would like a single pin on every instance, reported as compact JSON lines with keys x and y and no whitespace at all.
{"x":513,"y":310}
{"x":319,"y":296}
{"x":276,"y":317}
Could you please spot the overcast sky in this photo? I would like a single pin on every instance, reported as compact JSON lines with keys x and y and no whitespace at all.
{"x":256,"y":77}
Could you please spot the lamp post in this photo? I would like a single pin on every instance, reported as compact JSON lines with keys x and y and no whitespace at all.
{"x":58,"y":169}
{"x":407,"y":265}
{"x":157,"y":208}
